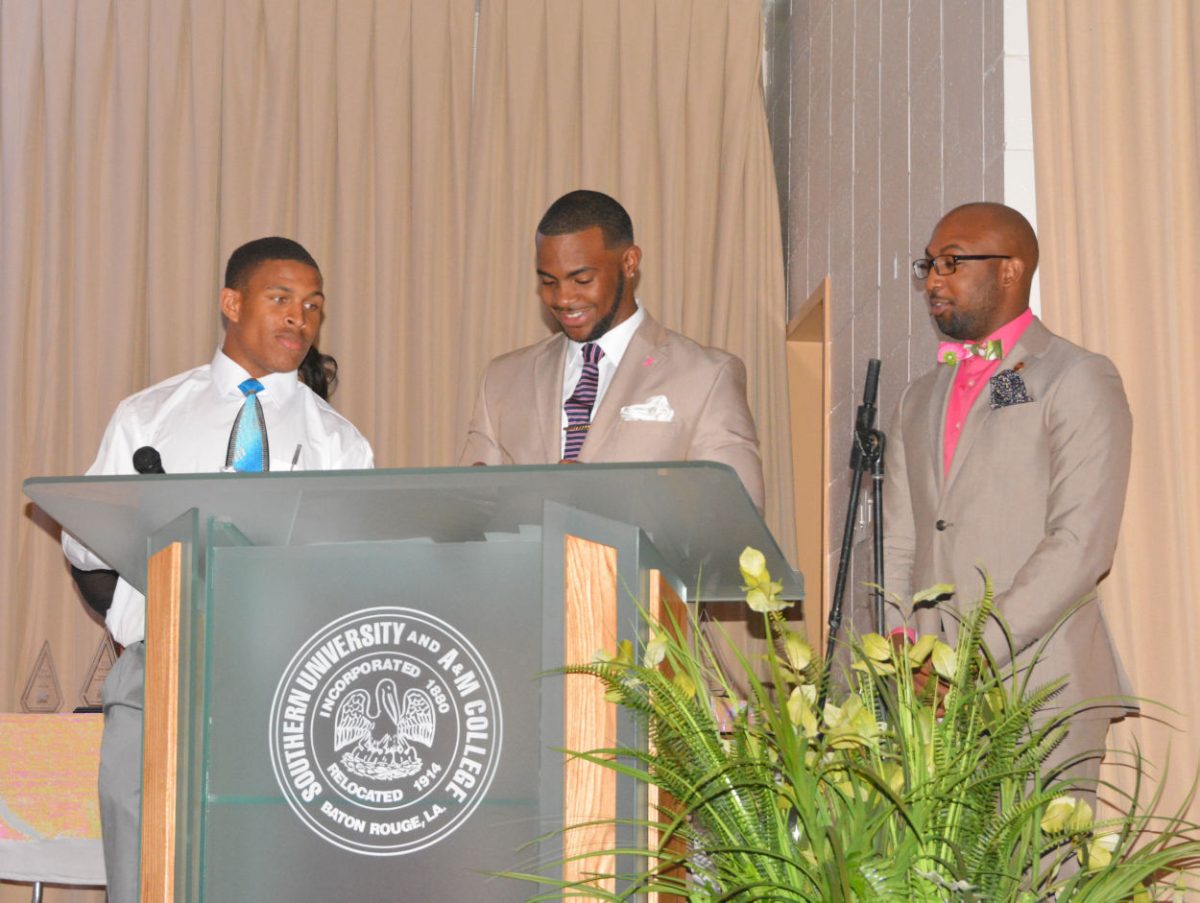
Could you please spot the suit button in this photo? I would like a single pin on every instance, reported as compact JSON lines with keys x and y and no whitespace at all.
{"x":941,"y":525}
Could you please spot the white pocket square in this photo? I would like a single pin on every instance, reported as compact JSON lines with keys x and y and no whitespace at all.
{"x":655,"y":408}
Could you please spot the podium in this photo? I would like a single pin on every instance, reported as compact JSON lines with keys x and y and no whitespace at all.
{"x":350,"y":688}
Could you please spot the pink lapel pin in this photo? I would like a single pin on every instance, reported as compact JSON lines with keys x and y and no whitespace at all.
{"x":647,"y":362}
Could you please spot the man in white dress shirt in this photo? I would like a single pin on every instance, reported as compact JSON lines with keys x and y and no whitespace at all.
{"x":246,"y":410}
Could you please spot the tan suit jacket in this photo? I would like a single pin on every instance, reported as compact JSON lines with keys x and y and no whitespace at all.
{"x":518,"y":413}
{"x":1034,"y":494}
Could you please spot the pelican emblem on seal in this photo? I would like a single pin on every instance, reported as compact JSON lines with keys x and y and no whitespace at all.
{"x":381,"y":748}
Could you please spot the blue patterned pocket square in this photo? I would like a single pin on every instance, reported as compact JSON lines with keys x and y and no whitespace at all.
{"x":1008,"y":389}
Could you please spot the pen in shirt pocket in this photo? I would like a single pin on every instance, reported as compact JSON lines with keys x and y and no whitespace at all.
{"x":295,"y":458}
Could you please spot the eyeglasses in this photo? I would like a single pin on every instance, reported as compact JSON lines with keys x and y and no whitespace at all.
{"x":945,"y":264}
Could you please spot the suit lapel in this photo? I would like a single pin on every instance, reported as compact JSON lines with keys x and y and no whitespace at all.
{"x":939,"y":399}
{"x":622,"y":389}
{"x":547,"y":390}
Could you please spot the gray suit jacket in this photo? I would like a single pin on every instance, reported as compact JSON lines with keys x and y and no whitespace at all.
{"x":518,"y":413}
{"x":1034,"y":494}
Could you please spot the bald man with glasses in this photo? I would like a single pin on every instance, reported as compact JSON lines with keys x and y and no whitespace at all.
{"x":1012,"y":455}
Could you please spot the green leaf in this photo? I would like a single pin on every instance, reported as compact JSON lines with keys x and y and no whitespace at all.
{"x":876,"y":647}
{"x":623,"y":655}
{"x":800,"y":710}
{"x":796,"y":650}
{"x":873,"y":667}
{"x":1100,"y":850}
{"x":1066,"y":815}
{"x":765,"y":602}
{"x":656,"y":650}
{"x":1081,"y":818}
{"x":753,"y":565}
{"x":945,"y":661}
{"x":919,"y":651}
{"x":762,"y":594}
{"x":850,"y":725}
{"x":933,"y":593}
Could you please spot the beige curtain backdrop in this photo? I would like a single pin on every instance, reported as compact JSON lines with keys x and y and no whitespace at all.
{"x":659,"y":103}
{"x":142,"y":140}
{"x":1116,"y":126}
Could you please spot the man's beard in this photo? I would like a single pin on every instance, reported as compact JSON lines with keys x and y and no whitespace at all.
{"x":970,"y":325}
{"x":604,"y":324}
{"x":959,"y":326}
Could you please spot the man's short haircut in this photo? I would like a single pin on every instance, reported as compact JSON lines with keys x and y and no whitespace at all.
{"x":583,"y":209}
{"x":246,"y":259}
{"x":1018,"y":230}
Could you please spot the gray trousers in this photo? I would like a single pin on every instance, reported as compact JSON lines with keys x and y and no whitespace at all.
{"x":121,"y":774}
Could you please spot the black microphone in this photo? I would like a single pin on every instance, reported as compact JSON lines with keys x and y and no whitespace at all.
{"x":864,"y":421}
{"x":147,"y":460}
{"x":871,"y":389}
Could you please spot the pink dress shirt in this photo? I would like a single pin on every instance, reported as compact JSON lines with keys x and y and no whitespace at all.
{"x":971,"y":376}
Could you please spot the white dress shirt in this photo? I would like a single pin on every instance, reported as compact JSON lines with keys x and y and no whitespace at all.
{"x":188,"y":418}
{"x":613,"y":343}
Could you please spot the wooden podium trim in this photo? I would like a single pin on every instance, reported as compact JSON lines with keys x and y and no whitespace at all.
{"x":810,"y":399}
{"x":160,"y":745}
{"x":667,"y":609}
{"x":589,"y":722}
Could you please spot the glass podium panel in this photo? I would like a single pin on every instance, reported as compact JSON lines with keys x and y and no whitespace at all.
{"x":366,"y":701}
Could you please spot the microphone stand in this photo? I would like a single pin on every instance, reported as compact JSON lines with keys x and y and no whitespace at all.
{"x":866,"y":453}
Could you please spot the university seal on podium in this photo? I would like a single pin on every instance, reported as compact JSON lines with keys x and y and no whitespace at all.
{"x":385,"y":731}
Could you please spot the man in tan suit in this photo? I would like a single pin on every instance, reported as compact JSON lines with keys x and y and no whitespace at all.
{"x":650,"y":395}
{"x":1011,"y":457}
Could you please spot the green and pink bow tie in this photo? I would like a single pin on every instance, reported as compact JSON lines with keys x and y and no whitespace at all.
{"x":952,"y":353}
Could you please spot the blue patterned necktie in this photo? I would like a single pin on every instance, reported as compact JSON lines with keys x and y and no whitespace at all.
{"x":248,"y":449}
{"x":583,"y":399}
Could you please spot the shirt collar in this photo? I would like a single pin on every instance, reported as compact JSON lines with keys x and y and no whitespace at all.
{"x":278,"y":388}
{"x":1010,"y":333}
{"x":614,"y":342}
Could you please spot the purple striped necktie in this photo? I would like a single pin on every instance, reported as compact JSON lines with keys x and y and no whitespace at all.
{"x":583,"y":399}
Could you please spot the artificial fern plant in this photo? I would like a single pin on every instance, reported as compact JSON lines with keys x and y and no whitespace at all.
{"x":888,"y":793}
